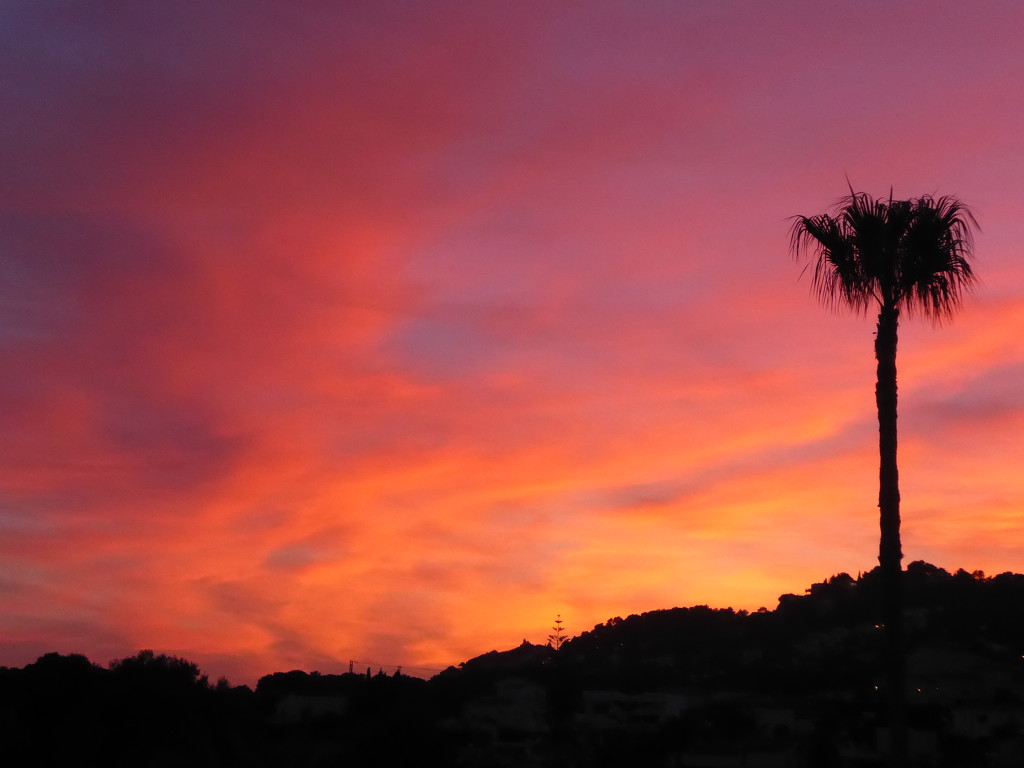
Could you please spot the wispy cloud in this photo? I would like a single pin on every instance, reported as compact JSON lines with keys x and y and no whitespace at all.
{"x":380,"y":332}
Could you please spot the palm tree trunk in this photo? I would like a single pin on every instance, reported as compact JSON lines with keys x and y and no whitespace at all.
{"x":890,"y":555}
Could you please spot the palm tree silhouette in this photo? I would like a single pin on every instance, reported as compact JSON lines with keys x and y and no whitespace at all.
{"x":912,"y":256}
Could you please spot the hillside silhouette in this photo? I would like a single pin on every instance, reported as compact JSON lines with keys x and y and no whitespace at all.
{"x":797,"y":685}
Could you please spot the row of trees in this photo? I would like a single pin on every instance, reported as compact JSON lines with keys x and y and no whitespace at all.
{"x":816,"y":651}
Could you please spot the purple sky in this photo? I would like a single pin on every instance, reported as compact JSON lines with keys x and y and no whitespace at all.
{"x":388,"y":331}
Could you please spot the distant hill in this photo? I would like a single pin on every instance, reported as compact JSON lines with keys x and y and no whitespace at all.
{"x":839,"y":617}
{"x":796,"y":684}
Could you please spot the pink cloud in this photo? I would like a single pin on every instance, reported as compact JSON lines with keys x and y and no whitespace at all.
{"x":376,"y":335}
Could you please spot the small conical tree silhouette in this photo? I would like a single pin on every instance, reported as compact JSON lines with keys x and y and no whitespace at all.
{"x":555,"y":640}
{"x":895,"y":256}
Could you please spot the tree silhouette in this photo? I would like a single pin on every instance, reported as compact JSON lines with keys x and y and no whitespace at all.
{"x":909,"y":256}
{"x":556,"y":639}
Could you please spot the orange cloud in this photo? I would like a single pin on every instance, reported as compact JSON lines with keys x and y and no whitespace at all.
{"x":388,"y":336}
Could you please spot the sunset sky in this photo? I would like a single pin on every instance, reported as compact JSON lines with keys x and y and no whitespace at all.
{"x":387,"y":331}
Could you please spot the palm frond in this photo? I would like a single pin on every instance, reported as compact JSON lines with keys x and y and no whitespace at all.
{"x":936,"y":262}
{"x":836,"y":277}
{"x":914,"y":255}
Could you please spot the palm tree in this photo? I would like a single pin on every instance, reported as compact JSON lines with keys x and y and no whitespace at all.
{"x":910,"y":256}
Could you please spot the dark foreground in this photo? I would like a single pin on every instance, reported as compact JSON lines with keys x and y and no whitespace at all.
{"x":680,"y":687}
